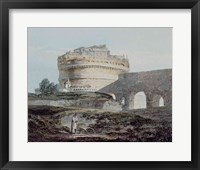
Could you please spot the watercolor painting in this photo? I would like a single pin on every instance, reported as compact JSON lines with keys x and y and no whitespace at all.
{"x":99,"y":84}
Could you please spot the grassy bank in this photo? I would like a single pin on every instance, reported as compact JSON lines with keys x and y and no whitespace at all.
{"x":71,"y":96}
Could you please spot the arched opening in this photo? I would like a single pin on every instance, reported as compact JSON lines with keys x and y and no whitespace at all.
{"x":140,"y":101}
{"x":112,"y":95}
{"x":158,"y":101}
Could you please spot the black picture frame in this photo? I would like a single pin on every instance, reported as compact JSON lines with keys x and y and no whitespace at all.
{"x":5,"y":5}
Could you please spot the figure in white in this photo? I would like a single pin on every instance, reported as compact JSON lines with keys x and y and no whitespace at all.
{"x":74,"y":123}
{"x":123,"y":101}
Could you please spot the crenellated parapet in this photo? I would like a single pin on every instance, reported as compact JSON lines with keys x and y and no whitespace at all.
{"x":83,"y":65}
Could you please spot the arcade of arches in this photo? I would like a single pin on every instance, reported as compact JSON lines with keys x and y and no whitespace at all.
{"x":143,"y":89}
{"x":139,"y":101}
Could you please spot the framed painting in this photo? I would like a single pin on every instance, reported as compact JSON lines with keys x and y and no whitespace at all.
{"x":104,"y":84}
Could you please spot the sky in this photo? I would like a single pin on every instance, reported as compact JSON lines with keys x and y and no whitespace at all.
{"x":147,"y":48}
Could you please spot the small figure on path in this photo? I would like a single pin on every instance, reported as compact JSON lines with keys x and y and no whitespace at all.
{"x":74,"y":123}
{"x":123,"y":101}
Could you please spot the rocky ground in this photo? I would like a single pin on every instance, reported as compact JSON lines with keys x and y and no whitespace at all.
{"x":52,"y":124}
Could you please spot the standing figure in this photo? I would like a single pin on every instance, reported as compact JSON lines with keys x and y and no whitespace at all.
{"x":74,"y":123}
{"x":123,"y":101}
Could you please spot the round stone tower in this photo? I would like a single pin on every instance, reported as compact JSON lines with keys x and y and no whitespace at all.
{"x":91,"y":68}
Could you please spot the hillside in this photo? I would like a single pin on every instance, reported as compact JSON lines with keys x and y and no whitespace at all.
{"x":46,"y":123}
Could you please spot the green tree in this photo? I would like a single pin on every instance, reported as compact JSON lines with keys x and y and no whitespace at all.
{"x":46,"y":88}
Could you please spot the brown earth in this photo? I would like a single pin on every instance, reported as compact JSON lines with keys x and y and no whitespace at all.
{"x":52,"y":124}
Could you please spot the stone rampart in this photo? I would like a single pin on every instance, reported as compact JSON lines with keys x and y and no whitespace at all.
{"x":90,"y":68}
{"x":152,"y":83}
{"x":96,"y":104}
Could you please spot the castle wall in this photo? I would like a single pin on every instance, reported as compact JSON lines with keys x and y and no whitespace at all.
{"x":94,"y":69}
{"x":97,"y":104}
{"x":92,"y":83}
{"x":152,"y":83}
{"x":90,"y":77}
{"x":90,"y":68}
{"x":90,"y":72}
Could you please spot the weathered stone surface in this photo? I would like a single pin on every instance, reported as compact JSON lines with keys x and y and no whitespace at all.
{"x":112,"y":105}
{"x":90,"y":69}
{"x":96,"y":104}
{"x":152,"y":83}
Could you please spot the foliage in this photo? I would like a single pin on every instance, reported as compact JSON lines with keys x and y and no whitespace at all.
{"x":47,"y":88}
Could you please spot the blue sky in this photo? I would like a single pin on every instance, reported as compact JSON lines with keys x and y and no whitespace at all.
{"x":146,"y":48}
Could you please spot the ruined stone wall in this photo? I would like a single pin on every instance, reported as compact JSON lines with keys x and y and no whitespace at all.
{"x":94,"y":73}
{"x":96,"y":104}
{"x":152,"y":83}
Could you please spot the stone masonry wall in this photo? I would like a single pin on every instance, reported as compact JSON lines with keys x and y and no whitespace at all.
{"x":152,"y":83}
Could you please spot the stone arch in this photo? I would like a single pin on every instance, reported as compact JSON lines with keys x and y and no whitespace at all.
{"x":112,"y":95}
{"x":138,"y":101}
{"x":167,"y":98}
{"x":158,"y":101}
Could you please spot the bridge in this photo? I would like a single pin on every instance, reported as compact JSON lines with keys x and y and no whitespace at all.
{"x":154,"y":86}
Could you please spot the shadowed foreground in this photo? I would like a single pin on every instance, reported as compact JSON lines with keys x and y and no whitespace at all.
{"x":52,"y":124}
